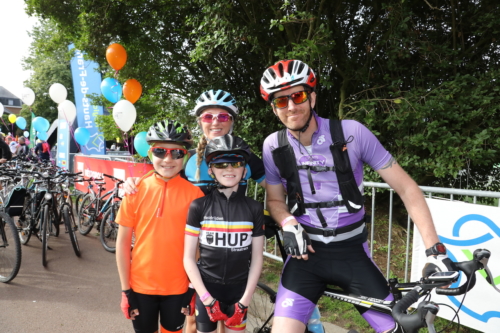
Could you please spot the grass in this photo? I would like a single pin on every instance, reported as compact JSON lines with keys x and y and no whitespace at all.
{"x":344,"y":314}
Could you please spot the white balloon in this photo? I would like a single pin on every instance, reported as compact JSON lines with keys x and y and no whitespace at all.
{"x":67,"y":111}
{"x":124,"y":114}
{"x":1,"y":109}
{"x":58,"y":93}
{"x":28,"y":96}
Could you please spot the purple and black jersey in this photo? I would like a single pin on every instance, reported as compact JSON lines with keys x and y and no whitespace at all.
{"x":363,"y":147}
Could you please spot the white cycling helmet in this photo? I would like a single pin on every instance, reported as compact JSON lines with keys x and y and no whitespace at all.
{"x":216,"y":98}
{"x":286,"y":74}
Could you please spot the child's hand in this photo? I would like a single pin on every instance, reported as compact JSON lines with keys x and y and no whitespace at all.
{"x":130,"y":185}
{"x":236,"y":314}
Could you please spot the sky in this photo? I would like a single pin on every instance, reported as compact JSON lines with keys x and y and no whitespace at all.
{"x":15,"y":43}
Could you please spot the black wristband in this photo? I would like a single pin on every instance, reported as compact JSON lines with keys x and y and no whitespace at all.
{"x":436,"y":249}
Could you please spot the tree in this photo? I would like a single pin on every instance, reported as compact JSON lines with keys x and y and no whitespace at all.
{"x":49,"y":63}
{"x":421,"y":74}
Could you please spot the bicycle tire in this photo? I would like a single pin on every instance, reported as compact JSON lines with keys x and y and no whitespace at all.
{"x":10,"y":249}
{"x":69,"y":221}
{"x":24,"y":222}
{"x":109,"y":229}
{"x":54,"y":222}
{"x":261,"y":310}
{"x":85,"y":217}
{"x":45,"y":234}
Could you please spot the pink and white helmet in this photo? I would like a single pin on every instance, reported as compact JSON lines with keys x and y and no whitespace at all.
{"x":286,"y":74}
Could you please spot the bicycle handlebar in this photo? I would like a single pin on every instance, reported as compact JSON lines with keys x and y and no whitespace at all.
{"x":412,"y":323}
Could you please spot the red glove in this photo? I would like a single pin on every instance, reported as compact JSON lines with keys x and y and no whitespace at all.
{"x":214,"y":311}
{"x":189,"y":301}
{"x":128,"y":303}
{"x":238,"y":316}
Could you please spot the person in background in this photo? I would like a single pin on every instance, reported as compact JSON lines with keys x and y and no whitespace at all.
{"x":42,"y":149}
{"x":23,"y":150}
{"x":5,"y":150}
{"x":14,"y":146}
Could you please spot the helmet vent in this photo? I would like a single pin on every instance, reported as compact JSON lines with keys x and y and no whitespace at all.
{"x":291,"y":64}
{"x":280,"y":68}
{"x":301,"y":67}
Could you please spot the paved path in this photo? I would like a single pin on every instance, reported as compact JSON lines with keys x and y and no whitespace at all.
{"x":77,"y":295}
{"x":70,"y":295}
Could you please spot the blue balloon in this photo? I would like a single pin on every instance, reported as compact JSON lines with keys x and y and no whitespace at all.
{"x":111,"y":89}
{"x":21,"y":122}
{"x":140,"y":144}
{"x":42,"y":135}
{"x":41,"y":124}
{"x":82,"y":135}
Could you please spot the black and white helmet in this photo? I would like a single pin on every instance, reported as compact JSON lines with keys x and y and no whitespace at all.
{"x":216,"y":99}
{"x":169,"y":131}
{"x":227,"y":146}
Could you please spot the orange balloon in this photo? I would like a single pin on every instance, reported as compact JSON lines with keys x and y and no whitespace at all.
{"x":132,"y":90}
{"x":116,"y":56}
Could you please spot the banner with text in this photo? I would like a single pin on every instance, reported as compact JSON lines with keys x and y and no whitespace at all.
{"x":463,"y":228}
{"x":63,"y":144}
{"x":96,"y":167}
{"x":87,"y":81}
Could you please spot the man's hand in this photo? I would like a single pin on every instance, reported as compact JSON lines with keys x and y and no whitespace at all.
{"x":296,"y":241}
{"x":3,"y":160}
{"x":130,"y":185}
{"x":439,"y":263}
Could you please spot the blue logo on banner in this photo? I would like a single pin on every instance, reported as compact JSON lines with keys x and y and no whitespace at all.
{"x":484,"y":317}
{"x":87,"y":81}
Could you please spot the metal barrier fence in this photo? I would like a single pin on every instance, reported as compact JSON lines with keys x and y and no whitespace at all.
{"x":428,"y":191}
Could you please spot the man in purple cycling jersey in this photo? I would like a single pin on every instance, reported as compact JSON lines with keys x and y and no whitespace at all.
{"x":334,"y":249}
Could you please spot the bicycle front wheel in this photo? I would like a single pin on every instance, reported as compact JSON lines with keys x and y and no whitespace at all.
{"x":10,"y":249}
{"x":86,"y":215}
{"x":261,"y":310}
{"x":109,"y":229}
{"x":24,"y":221}
{"x":45,"y":230}
{"x":69,"y":221}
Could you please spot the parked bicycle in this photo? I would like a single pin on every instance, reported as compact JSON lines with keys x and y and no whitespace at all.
{"x":10,"y":247}
{"x":261,"y":309}
{"x":95,"y":210}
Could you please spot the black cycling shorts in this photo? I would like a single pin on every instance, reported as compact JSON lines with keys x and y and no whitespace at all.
{"x":152,"y":306}
{"x":348,"y":267}
{"x":226,"y":294}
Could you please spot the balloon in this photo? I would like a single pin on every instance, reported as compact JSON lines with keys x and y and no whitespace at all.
{"x":111,"y":89}
{"x":132,"y":90}
{"x":28,"y":96}
{"x":41,"y":124}
{"x":67,"y":110}
{"x":116,"y":56}
{"x":42,"y":135}
{"x":12,"y":118}
{"x":58,"y":93}
{"x":21,"y":122}
{"x":1,"y":109}
{"x":124,"y":114}
{"x":140,"y":144}
{"x":82,"y":135}
{"x":26,"y":134}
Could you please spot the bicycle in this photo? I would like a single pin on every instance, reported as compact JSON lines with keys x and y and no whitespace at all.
{"x":109,"y":228}
{"x":10,"y":247}
{"x":261,"y":309}
{"x":66,"y":209}
{"x":94,"y":209}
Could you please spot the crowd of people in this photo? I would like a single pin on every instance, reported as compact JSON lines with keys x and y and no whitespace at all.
{"x":197,"y":255}
{"x":12,"y":147}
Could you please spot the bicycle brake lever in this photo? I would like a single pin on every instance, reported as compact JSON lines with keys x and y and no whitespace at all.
{"x":430,"y":316}
{"x":489,"y":278}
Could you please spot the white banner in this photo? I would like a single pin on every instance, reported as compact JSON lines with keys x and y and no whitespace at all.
{"x":463,"y":228}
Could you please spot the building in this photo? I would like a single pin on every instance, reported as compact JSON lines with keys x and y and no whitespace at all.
{"x":11,"y":103}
